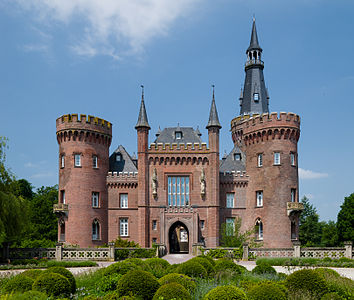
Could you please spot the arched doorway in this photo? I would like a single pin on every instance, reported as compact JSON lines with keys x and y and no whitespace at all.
{"x":178,"y":237}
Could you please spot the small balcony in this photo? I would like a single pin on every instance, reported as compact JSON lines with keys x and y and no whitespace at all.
{"x":294,"y":207}
{"x":60,"y":208}
{"x":253,"y":62}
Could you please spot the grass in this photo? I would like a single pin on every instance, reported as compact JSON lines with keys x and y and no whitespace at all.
{"x":42,"y":264}
{"x":307,"y":262}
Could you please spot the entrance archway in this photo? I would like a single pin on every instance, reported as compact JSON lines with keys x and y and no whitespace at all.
{"x":178,"y":237}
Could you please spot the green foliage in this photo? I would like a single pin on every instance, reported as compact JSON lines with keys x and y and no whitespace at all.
{"x":264,"y":268}
{"x":184,"y":280}
{"x":329,"y":236}
{"x":228,"y":265}
{"x":232,"y":236}
{"x":156,"y":266}
{"x":135,"y":261}
{"x":307,"y":261}
{"x":306,"y":281}
{"x":18,"y":283}
{"x":108,"y":283}
{"x":66,"y":273}
{"x":121,"y":254}
{"x":217,"y":253}
{"x":345,"y":220}
{"x":122,"y":243}
{"x":33,"y":273}
{"x":227,"y":292}
{"x":209,"y":258}
{"x":29,"y":295}
{"x":205,"y":263}
{"x":87,"y":284}
{"x":143,"y":253}
{"x":332,"y":296}
{"x":120,"y":268}
{"x":266,"y":291}
{"x":192,"y":269}
{"x":52,"y":284}
{"x":138,"y":283}
{"x":171,"y":291}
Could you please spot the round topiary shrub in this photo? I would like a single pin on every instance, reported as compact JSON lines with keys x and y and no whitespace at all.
{"x":120,"y":268}
{"x":210,"y":259}
{"x":264,"y":269}
{"x":205,"y":263}
{"x":156,"y":266}
{"x":306,"y":281}
{"x":31,"y":295}
{"x":228,"y":265}
{"x":226,"y":292}
{"x":345,"y":259}
{"x":108,"y":283}
{"x":266,"y":291}
{"x":135,"y":261}
{"x":326,"y":272}
{"x":172,"y":290}
{"x":53,"y":284}
{"x":192,"y":269}
{"x":66,"y":273}
{"x":33,"y":273}
{"x":332,"y":296}
{"x":183,"y":280}
{"x":138,"y":283}
{"x":18,"y":283}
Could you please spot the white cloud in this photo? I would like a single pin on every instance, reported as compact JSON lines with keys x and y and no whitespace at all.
{"x":308,"y":174}
{"x":42,"y":175}
{"x":111,"y":27}
{"x":30,"y":165}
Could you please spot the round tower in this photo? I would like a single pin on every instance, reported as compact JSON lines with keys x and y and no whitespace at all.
{"x":269,"y":142}
{"x":83,"y":165}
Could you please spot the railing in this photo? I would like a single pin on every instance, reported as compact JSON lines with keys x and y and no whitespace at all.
{"x":29,"y":253}
{"x":271,"y":252}
{"x":322,"y":252}
{"x":294,"y":206}
{"x":254,"y":62}
{"x":100,"y":254}
{"x":60,"y":207}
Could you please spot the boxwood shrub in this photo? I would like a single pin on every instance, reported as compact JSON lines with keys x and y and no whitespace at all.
{"x":120,"y":268}
{"x":66,"y":273}
{"x":108,"y":283}
{"x":192,"y":269}
{"x":226,"y":292}
{"x":29,"y":295}
{"x":183,"y":280}
{"x":209,"y":258}
{"x":228,"y":265}
{"x":172,"y":290}
{"x":138,"y":283}
{"x":332,"y":296}
{"x":32,"y":273}
{"x":266,"y":291}
{"x":205,"y":263}
{"x":135,"y":261}
{"x":264,"y":269}
{"x":19,"y":283}
{"x":53,"y":284}
{"x":156,"y":266}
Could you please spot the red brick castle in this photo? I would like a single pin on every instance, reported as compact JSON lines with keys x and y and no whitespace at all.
{"x":178,"y":192}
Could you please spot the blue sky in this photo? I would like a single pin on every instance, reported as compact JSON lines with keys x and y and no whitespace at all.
{"x":76,"y":56}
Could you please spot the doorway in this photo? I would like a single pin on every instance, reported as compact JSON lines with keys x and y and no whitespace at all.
{"x":178,"y":236}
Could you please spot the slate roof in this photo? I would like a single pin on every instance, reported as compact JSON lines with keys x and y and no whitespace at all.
{"x":213,"y":116}
{"x":142,"y":119}
{"x":126,"y":164}
{"x":228,"y":163}
{"x":254,"y":45}
{"x":189,"y":135}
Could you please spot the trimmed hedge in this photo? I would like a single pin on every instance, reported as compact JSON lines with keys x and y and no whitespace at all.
{"x":210,"y":259}
{"x":66,"y":273}
{"x":266,"y":291}
{"x":53,"y":284}
{"x":192,"y":269}
{"x":138,"y":283}
{"x":18,"y":283}
{"x":29,"y":295}
{"x":33,"y":273}
{"x":264,"y":269}
{"x":332,"y":296}
{"x":135,"y":261}
{"x":227,"y":292}
{"x":205,"y":263}
{"x":172,"y":290}
{"x":226,"y":264}
{"x":183,"y":280}
{"x":156,"y":266}
{"x":120,"y":268}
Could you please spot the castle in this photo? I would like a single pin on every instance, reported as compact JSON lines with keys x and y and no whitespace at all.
{"x":178,"y":192}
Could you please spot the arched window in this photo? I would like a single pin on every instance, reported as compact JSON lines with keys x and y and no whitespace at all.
{"x":62,"y":231}
{"x":259,"y":229}
{"x":95,"y":230}
{"x":293,"y":230}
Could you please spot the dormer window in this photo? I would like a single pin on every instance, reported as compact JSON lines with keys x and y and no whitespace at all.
{"x":178,"y":135}
{"x":237,"y":156}
{"x":118,"y":157}
{"x":256,"y":97}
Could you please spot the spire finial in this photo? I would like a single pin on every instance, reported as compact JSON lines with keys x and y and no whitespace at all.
{"x":254,"y":18}
{"x":213,"y":116}
{"x":142,"y":119}
{"x":142,"y":91}
{"x":213,"y":86}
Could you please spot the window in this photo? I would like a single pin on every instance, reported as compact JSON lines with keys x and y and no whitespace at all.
{"x":277,"y":158}
{"x":62,"y":196}
{"x":293,"y":195}
{"x":293,"y":231}
{"x":230,"y":200}
{"x":95,"y":199}
{"x":259,"y":196}
{"x":202,"y":224}
{"x":62,"y":161}
{"x":94,"y":162}
{"x":123,"y":227}
{"x":154,"y":240}
{"x":292,"y":159}
{"x":118,"y":157}
{"x":230,"y":226}
{"x":260,"y":160}
{"x":62,"y":231}
{"x":178,"y":190}
{"x":259,"y":229}
{"x":95,"y":230}
{"x":154,"y":225}
{"x":237,"y":156}
{"x":178,"y":135}
{"x":256,"y":97}
{"x":77,"y":160}
{"x":123,"y":200}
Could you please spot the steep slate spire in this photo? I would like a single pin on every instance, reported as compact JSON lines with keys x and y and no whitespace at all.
{"x":254,"y":99}
{"x":142,"y":119}
{"x":213,"y":116}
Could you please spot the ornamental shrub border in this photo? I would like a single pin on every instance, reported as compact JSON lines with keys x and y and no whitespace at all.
{"x":307,"y":262}
{"x":120,"y":254}
{"x":44,"y":263}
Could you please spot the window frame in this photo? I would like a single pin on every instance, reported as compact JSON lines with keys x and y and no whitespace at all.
{"x":178,"y":135}
{"x":95,"y":161}
{"x":96,"y":235}
{"x":202,"y":224}
{"x":154,"y":225}
{"x":123,"y":200}
{"x":260,"y":160}
{"x":293,"y":195}
{"x":228,"y":200}
{"x":62,"y":196}
{"x":292,"y":159}
{"x":77,"y":160}
{"x":229,"y":231}
{"x":276,"y":161}
{"x":256,"y":97}
{"x":237,"y":157}
{"x":259,"y":230}
{"x":178,"y":190}
{"x":95,"y":199}
{"x":62,"y":161}
{"x":259,"y":198}
{"x":124,"y":227}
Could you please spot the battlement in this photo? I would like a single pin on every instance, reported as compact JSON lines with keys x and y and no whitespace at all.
{"x":84,"y":122}
{"x":234,"y":177}
{"x":122,"y":179}
{"x":122,"y":175}
{"x":174,"y":147}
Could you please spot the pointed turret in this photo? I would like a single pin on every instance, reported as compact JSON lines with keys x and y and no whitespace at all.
{"x":142,"y":119}
{"x":254,"y":99}
{"x":213,"y":116}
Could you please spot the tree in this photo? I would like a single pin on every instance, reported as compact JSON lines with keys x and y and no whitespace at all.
{"x":310,"y":228}
{"x":345,"y":220}
{"x":329,"y":236}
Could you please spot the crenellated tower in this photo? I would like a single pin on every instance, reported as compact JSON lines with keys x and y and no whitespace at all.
{"x":269,"y":142}
{"x":83,"y":165}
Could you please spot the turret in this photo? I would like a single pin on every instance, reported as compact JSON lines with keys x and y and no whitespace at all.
{"x":83,"y":165}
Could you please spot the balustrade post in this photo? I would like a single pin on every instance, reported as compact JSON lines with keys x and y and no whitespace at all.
{"x":297,"y":248}
{"x":245,"y":252}
{"x":58,"y":251}
{"x":348,"y":249}
{"x":111,"y":251}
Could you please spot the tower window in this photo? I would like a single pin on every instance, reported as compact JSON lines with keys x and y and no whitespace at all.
{"x":77,"y":161}
{"x":178,"y":190}
{"x":293,"y":231}
{"x":62,"y":196}
{"x":259,"y":229}
{"x":118,"y":157}
{"x":62,"y":161}
{"x":178,"y":135}
{"x":202,"y":224}
{"x":277,"y":158}
{"x":292,"y":159}
{"x":260,"y":160}
{"x":237,"y":156}
{"x":123,"y":227}
{"x":154,"y":225}
{"x":293,"y":195}
{"x":95,"y":230}
{"x":95,"y":199}
{"x":230,"y":226}
{"x":230,"y":197}
{"x":123,"y":200}
{"x":259,"y":198}
{"x":256,"y":97}
{"x":94,"y":162}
